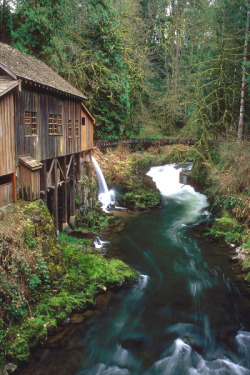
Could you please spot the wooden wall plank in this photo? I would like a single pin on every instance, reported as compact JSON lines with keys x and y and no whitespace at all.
{"x":7,"y":139}
{"x":5,"y":194}
{"x":45,"y":146}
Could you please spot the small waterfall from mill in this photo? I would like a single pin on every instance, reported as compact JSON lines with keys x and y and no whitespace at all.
{"x":105,"y":196}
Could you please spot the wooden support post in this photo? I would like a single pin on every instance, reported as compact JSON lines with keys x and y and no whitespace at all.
{"x":72,"y":193}
{"x":54,"y":176}
{"x":65,"y":225}
{"x":43,"y":182}
{"x":13,"y":180}
{"x":78,"y":169}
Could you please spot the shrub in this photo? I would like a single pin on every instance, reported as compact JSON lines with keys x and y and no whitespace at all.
{"x":228,"y":183}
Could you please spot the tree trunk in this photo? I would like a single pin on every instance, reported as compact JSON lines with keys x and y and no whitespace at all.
{"x":243,"y":85}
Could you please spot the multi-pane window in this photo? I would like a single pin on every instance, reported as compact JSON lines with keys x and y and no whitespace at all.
{"x":30,"y":123}
{"x":70,"y":129}
{"x":77,"y":128}
{"x":55,"y":124}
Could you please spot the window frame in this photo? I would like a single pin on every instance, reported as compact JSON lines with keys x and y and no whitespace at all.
{"x":77,"y":129}
{"x":70,"y":128}
{"x":83,"y":121}
{"x":30,"y":123}
{"x":55,"y":124}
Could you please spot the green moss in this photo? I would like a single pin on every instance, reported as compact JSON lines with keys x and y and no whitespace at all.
{"x":19,"y":349}
{"x":141,"y":199}
{"x":34,"y":331}
{"x":229,"y":229}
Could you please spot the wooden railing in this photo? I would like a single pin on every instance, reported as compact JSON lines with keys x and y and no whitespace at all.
{"x":144,"y":142}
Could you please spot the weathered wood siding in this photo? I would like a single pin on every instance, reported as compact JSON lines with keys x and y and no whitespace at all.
{"x":6,"y":194}
{"x":86,"y":132}
{"x":44,"y":146}
{"x":29,"y":182}
{"x":7,"y":138}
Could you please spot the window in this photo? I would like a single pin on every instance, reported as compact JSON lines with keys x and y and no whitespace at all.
{"x":30,"y":123}
{"x":70,"y":129}
{"x":83,"y":121}
{"x":77,"y":128}
{"x":55,"y":124}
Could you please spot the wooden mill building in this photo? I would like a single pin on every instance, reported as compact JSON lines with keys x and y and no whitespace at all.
{"x":45,"y":132}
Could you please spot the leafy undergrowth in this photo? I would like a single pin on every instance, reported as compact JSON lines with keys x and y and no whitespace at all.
{"x":230,"y":230}
{"x":227,"y":186}
{"x":43,"y":279}
{"x":94,"y":218}
{"x":246,"y":262}
{"x":228,"y":183}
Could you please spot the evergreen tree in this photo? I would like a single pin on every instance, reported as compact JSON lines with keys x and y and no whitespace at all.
{"x":146,"y":65}
{"x":5,"y":21}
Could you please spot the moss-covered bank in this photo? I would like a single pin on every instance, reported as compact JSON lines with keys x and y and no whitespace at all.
{"x":226,"y":183}
{"x":44,"y":279}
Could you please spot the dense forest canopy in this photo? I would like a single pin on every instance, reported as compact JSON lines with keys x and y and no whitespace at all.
{"x":149,"y":67}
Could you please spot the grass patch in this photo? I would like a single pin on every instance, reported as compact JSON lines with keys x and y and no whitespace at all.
{"x":229,"y":229}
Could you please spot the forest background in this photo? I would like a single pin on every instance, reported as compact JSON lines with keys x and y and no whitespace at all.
{"x":150,"y":68}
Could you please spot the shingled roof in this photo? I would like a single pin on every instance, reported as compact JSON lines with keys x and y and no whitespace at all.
{"x":20,"y":65}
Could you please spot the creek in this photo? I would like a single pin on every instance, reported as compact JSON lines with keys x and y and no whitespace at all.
{"x":185,"y":316}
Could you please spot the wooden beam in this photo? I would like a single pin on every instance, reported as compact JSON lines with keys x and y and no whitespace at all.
{"x":70,"y":161}
{"x":14,"y":190}
{"x":72,"y":193}
{"x":63,"y":172}
{"x":64,"y":197}
{"x":43,"y":181}
{"x":78,"y":167}
{"x":55,"y":195}
{"x":51,"y":168}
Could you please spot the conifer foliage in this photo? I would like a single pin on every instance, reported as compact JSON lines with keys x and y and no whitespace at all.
{"x":148,"y":67}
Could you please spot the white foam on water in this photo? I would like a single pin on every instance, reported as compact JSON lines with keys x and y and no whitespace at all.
{"x":176,"y":363}
{"x":123,"y":358}
{"x":181,"y":359}
{"x":243,"y":342}
{"x":102,"y":369}
{"x":107,"y":199}
{"x":138,"y":289}
{"x":98,"y":243}
{"x":167,"y":181}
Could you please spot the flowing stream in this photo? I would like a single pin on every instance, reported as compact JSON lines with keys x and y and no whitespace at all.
{"x":183,"y":317}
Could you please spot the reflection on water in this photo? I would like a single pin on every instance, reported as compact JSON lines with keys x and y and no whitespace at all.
{"x":184,"y":316}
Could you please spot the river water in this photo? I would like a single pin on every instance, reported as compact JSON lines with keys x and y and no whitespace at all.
{"x":184,"y":316}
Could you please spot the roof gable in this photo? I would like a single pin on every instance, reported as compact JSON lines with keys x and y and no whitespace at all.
{"x":85,"y":109}
{"x":6,"y":85}
{"x":21,"y":65}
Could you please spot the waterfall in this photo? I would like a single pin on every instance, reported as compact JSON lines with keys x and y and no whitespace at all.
{"x":167,"y":181}
{"x":105,"y":196}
